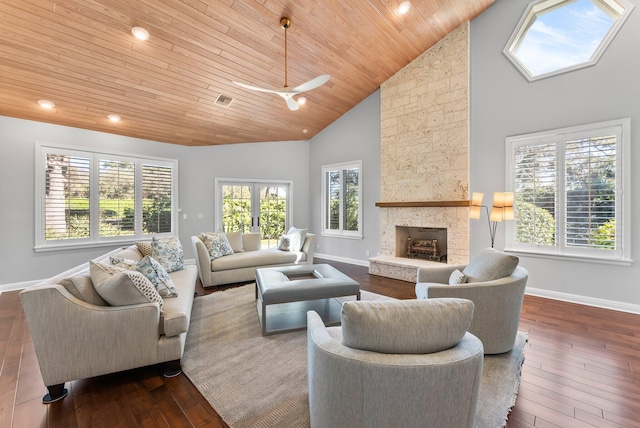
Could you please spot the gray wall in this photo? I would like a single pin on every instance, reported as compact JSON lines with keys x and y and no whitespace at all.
{"x":504,"y":103}
{"x":197,"y":168}
{"x":354,"y":136}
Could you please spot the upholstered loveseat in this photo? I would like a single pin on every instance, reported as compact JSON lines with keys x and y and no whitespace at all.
{"x":246,"y":256}
{"x":77,"y":334}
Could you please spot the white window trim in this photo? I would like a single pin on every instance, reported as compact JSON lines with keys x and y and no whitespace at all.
{"x":623,"y":195}
{"x":41,"y":245}
{"x":348,"y":234}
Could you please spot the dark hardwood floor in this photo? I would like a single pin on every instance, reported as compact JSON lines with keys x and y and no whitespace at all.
{"x":582,"y":369}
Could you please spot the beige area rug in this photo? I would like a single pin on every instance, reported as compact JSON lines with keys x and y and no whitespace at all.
{"x":255,"y":381}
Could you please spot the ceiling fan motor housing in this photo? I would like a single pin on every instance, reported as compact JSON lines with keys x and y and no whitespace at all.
{"x":285,"y":23}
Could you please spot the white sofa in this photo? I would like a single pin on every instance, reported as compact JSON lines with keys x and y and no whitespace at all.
{"x":241,"y":265}
{"x":76,"y":334}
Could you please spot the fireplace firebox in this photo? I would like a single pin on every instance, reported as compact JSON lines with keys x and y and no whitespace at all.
{"x":427,"y":243}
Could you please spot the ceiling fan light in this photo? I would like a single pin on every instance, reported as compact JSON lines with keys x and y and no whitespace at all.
{"x":404,"y":7}
{"x":140,"y":33}
{"x":301,"y":100}
{"x":114,"y":117}
{"x":46,"y":104}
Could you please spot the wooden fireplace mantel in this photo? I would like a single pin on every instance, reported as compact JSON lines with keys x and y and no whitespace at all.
{"x":463,"y":203}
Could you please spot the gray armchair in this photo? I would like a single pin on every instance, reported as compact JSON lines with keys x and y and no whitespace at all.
{"x":405,"y":363}
{"x":494,"y":282}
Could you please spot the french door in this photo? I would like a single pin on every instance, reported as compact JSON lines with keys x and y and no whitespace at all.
{"x":254,"y":206}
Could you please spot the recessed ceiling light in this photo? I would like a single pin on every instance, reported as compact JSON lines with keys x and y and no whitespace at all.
{"x":305,"y":130}
{"x":114,"y":117}
{"x":301,"y":100}
{"x":46,"y":104}
{"x":404,"y":7}
{"x":140,"y":33}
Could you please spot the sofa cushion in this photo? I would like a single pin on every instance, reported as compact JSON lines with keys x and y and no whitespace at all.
{"x":297,"y":237}
{"x":235,"y":240}
{"x":251,"y":241}
{"x":177,"y":311}
{"x":168,"y":252}
{"x":490,"y":264}
{"x":266,"y":257}
{"x":118,"y":286}
{"x":81,"y":287}
{"x":405,"y":326}
{"x":152,"y":270}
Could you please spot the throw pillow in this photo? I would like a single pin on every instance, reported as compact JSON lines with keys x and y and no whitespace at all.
{"x":405,"y":326}
{"x":285,"y":243}
{"x":152,"y":270}
{"x":490,"y":264}
{"x":82,"y":287}
{"x":168,"y":252}
{"x":118,"y":286}
{"x":144,"y":247}
{"x":297,"y":237}
{"x":235,"y":240}
{"x":457,"y":277}
{"x":251,"y":241}
{"x":217,"y":244}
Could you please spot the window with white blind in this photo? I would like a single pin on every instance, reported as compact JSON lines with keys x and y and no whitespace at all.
{"x":342,"y":200}
{"x":571,"y":191}
{"x":86,"y":198}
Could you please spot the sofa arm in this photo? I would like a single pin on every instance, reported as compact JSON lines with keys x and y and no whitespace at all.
{"x":75,"y":340}
{"x":439,"y":275}
{"x":203,"y":261}
{"x":309,"y":247}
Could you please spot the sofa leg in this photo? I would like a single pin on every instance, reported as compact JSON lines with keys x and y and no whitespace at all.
{"x":172,"y":368}
{"x":56,"y":392}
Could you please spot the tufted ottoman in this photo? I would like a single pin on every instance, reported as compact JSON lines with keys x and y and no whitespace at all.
{"x":300,"y":283}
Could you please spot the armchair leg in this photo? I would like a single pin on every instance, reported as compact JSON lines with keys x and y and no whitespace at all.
{"x":172,"y":368}
{"x":56,"y":392}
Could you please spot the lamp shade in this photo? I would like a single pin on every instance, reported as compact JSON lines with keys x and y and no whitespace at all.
{"x":497,"y":214}
{"x":474,"y":212}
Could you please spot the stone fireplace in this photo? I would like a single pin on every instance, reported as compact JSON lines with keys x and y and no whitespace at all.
{"x":424,"y":155}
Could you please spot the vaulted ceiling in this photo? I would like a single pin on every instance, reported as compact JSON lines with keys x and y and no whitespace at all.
{"x":81,"y":55}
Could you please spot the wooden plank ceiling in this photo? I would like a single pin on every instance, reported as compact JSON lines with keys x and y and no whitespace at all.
{"x":81,"y":55}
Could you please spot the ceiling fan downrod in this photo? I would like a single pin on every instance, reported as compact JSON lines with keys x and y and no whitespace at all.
{"x":284,"y":24}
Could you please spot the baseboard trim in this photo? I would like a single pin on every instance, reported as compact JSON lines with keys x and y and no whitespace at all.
{"x":584,"y":300}
{"x":357,"y":262}
{"x":18,"y":285}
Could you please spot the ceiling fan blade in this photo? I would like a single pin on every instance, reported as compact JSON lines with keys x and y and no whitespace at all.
{"x":291,"y":103}
{"x":312,"y":84}
{"x":256,"y":88}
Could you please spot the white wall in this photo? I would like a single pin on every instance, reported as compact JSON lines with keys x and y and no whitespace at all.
{"x":197,"y":168}
{"x":354,"y":136}
{"x":504,"y":103}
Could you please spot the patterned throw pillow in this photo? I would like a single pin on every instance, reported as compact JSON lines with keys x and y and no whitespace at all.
{"x":119,"y":286}
{"x":144,"y":247}
{"x":152,"y":270}
{"x":168,"y":252}
{"x":285,"y":243}
{"x":457,"y":277}
{"x":217,"y":244}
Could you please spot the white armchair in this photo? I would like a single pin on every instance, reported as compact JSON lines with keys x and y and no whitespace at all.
{"x":494,"y":282}
{"x":405,"y":363}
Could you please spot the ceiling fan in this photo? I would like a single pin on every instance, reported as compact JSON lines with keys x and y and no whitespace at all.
{"x":286,"y":92}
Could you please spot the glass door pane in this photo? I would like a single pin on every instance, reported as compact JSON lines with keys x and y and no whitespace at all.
{"x":273,"y":213}
{"x":236,"y":207}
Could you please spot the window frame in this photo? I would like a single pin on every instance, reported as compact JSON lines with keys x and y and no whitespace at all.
{"x":622,"y":253}
{"x":95,"y":156}
{"x":527,"y":19}
{"x":341,"y":232}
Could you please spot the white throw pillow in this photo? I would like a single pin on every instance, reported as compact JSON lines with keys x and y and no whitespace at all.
{"x":457,"y":277}
{"x":235,"y":240}
{"x":296,"y":237}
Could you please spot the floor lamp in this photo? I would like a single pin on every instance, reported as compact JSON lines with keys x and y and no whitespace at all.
{"x":501,"y":209}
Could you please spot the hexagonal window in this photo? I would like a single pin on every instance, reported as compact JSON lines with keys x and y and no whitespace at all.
{"x":556,"y":36}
